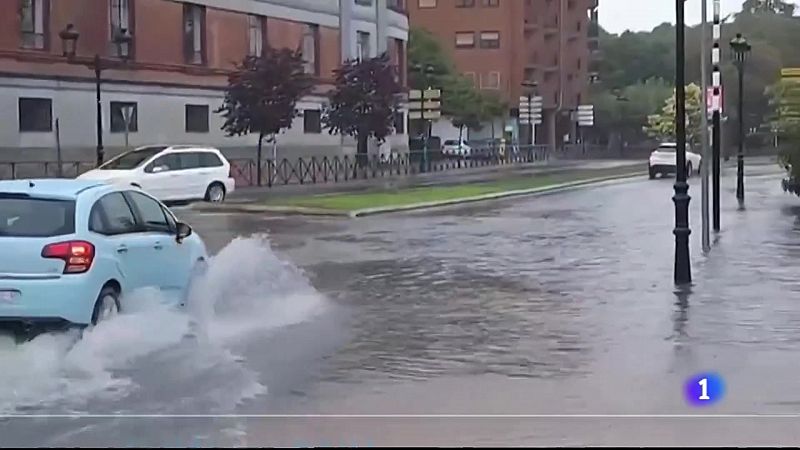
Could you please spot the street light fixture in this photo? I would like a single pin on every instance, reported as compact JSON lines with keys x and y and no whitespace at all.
{"x":69,"y":40}
{"x":741,"y":49}
{"x":682,"y":271}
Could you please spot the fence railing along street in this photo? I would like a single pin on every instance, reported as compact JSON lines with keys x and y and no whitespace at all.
{"x":338,"y":169}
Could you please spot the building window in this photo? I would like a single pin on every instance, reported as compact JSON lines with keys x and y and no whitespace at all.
{"x":465,"y":39}
{"x":311,"y":48}
{"x":491,"y":3}
{"x":580,"y":64}
{"x":470,"y":76}
{"x":399,"y":122}
{"x":465,"y":3}
{"x":490,"y":39}
{"x":34,"y":21}
{"x":120,"y":25}
{"x":362,"y":45}
{"x":312,"y":121}
{"x":256,"y":33}
{"x":578,"y":99}
{"x":579,"y":25}
{"x":35,"y":114}
{"x":491,"y":81}
{"x":197,"y":118}
{"x":400,"y":46}
{"x":427,"y":3}
{"x":194,"y":35}
{"x":118,"y":117}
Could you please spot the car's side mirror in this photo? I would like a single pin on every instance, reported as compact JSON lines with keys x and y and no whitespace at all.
{"x":183,"y":231}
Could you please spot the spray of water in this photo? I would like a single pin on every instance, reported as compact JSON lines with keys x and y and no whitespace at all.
{"x":246,"y":292}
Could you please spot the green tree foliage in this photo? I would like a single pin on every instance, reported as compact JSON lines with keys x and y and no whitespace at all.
{"x":464,"y":105}
{"x":622,"y":114}
{"x":662,"y":125}
{"x":785,"y":98}
{"x":630,"y":58}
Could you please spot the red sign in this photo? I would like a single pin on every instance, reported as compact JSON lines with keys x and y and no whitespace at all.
{"x":711,"y":100}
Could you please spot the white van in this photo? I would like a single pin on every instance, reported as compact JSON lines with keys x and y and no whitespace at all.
{"x":171,"y":173}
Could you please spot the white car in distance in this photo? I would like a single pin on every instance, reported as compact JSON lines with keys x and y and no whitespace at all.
{"x":663,"y":160}
{"x":171,"y":173}
{"x":454,"y":147}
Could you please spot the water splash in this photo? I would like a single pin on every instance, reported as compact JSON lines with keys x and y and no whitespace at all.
{"x":246,"y":292}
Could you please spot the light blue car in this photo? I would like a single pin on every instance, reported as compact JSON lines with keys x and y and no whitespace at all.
{"x":70,"y":249}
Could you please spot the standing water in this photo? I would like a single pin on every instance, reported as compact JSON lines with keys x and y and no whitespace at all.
{"x":155,"y":358}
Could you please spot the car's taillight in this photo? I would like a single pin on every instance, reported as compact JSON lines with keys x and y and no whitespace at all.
{"x":78,"y":255}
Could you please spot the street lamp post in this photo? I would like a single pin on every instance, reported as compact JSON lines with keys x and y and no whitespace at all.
{"x":682,"y":271}
{"x":69,"y":39}
{"x":741,"y":48}
{"x":530,"y":92}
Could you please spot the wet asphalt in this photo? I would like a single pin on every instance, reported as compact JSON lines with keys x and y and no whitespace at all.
{"x":559,"y":304}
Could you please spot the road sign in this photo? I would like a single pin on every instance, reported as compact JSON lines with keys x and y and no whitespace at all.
{"x":424,"y":104}
{"x":713,"y":103}
{"x":586,"y":115}
{"x":530,"y":110}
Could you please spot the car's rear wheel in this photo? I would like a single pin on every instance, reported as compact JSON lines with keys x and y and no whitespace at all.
{"x":106,"y":306}
{"x":652,"y":173}
{"x":215,"y":193}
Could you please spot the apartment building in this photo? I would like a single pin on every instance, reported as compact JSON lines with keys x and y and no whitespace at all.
{"x":166,"y":62}
{"x":500,"y":44}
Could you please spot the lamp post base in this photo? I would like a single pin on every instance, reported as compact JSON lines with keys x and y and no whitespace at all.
{"x":683,"y":266}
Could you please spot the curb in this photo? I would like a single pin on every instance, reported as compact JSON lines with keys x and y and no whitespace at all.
{"x":304,"y":211}
{"x":495,"y":196}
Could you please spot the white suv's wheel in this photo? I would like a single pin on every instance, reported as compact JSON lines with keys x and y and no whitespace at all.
{"x":215,"y":193}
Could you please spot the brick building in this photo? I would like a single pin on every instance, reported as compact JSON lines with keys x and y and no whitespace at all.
{"x":501,"y":43}
{"x":168,"y":60}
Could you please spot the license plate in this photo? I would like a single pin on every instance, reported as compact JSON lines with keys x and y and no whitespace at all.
{"x":8,"y":296}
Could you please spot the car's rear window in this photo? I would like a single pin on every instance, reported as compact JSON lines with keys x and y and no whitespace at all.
{"x":667,"y":149}
{"x":450,"y":142}
{"x":24,"y":216}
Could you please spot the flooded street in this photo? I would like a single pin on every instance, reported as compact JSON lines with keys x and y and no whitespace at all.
{"x":554,"y":305}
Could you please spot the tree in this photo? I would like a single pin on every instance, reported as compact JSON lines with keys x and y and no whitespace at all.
{"x":262,"y":93}
{"x":785,"y":99}
{"x":622,"y":114}
{"x":769,"y":6}
{"x":363,"y":102}
{"x":464,"y":105}
{"x":662,"y":125}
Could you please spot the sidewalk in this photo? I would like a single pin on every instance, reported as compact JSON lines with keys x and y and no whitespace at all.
{"x":446,"y":178}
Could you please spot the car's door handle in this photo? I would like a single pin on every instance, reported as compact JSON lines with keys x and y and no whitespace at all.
{"x":158,"y":246}
{"x":122,"y":249}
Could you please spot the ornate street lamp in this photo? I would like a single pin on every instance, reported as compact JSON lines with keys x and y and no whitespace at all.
{"x":69,"y":40}
{"x":741,"y":49}
{"x":683,"y":270}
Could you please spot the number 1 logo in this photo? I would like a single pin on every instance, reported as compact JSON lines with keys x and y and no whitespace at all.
{"x":704,"y":389}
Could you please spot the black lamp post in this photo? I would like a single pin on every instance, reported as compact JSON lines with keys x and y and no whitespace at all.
{"x":683,"y":270}
{"x":69,"y":40}
{"x":741,"y":48}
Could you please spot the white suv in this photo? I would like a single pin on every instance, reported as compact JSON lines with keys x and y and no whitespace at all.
{"x":171,"y":173}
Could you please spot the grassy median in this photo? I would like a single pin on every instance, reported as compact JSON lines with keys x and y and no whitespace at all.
{"x":409,"y":196}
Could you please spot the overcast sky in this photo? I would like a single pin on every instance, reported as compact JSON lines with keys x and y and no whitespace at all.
{"x":617,"y":16}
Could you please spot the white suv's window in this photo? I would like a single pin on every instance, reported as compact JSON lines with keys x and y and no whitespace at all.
{"x":167,"y":162}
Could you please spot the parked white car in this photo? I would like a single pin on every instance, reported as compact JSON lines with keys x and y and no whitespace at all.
{"x":171,"y":173}
{"x":663,"y":160}
{"x":454,"y":147}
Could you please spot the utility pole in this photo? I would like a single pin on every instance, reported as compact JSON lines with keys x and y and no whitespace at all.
{"x":716,"y":111}
{"x":704,"y":122}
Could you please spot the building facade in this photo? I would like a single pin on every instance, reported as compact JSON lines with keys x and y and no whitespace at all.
{"x":164,"y":68}
{"x":500,"y":44}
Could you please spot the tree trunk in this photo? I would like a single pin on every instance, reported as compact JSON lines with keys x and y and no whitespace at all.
{"x":362,"y":152}
{"x":258,"y":158}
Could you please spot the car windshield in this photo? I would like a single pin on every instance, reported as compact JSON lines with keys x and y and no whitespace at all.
{"x":132,"y":159}
{"x":450,"y":142}
{"x":666,"y":149}
{"x":24,"y":216}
